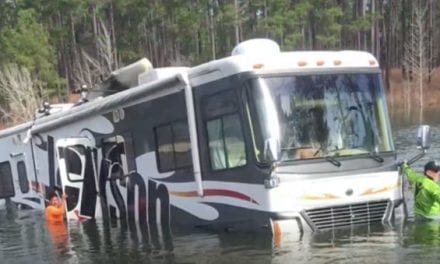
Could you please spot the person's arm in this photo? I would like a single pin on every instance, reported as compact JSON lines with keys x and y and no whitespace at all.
{"x":436,"y":196}
{"x":434,"y":191}
{"x":54,"y":213}
{"x":64,"y":202}
{"x":411,"y":175}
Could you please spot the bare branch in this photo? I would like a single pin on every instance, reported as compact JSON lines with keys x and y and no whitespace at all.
{"x":89,"y":69}
{"x":416,"y":59}
{"x":21,"y":92}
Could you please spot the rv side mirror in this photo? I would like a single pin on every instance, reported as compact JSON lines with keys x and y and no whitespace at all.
{"x":424,"y":137}
{"x":271,"y":149}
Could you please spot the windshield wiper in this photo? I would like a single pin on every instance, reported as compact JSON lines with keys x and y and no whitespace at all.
{"x":376,"y":157}
{"x":333,"y":161}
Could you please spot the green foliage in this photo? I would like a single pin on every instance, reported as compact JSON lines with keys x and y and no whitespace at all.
{"x":329,"y":33}
{"x":27,"y":44}
{"x":48,"y":37}
{"x":362,"y":22}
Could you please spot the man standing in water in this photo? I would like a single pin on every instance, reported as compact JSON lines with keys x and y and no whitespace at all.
{"x":427,"y":191}
{"x":56,"y":227}
{"x":55,"y":210}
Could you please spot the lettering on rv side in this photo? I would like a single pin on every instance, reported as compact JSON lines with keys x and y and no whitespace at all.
{"x":112,"y":177}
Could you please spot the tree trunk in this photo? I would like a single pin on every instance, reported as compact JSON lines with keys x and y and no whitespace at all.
{"x":373,"y":29}
{"x":95,"y":29}
{"x":211,"y":30}
{"x":237,"y":22}
{"x":113,"y":36}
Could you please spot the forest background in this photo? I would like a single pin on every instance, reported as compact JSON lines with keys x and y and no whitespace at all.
{"x":48,"y":49}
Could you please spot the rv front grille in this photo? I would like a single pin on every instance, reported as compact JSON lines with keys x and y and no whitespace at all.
{"x":346,"y":215}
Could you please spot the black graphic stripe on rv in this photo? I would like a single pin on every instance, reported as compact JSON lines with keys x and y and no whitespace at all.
{"x":51,"y":159}
{"x":88,"y":198}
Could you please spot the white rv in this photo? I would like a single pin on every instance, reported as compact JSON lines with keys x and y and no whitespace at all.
{"x":260,"y":139}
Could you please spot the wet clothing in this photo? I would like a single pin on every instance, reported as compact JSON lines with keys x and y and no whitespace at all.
{"x":54,"y":214}
{"x":426,"y":194}
{"x":58,"y":233}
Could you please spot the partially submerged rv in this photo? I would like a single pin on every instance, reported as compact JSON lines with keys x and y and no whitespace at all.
{"x":260,"y":139}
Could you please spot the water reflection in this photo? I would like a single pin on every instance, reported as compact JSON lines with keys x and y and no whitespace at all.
{"x":97,"y":242}
{"x":401,"y":119}
{"x":27,"y":239}
{"x":425,"y":233}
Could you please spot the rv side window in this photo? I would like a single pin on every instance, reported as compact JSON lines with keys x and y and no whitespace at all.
{"x":6,"y":184}
{"x":173,"y":148}
{"x":22,"y":177}
{"x":225,"y":133}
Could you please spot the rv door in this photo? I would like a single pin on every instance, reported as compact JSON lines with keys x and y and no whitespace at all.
{"x":76,"y":159}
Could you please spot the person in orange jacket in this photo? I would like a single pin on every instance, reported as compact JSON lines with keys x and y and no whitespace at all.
{"x":55,"y":211}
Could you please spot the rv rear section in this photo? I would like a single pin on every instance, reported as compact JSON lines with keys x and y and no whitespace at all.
{"x":19,"y":186}
{"x":262,"y":139}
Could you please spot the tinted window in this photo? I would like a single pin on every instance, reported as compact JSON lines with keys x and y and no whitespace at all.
{"x":226,"y":143}
{"x":22,"y":177}
{"x":173,"y":146}
{"x":219,"y":104}
{"x":6,"y":184}
{"x":165,"y":150}
{"x":225,"y":132}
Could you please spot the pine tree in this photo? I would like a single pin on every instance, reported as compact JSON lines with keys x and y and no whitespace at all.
{"x":27,"y":44}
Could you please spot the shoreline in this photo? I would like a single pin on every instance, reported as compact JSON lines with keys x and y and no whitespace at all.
{"x":403,"y":94}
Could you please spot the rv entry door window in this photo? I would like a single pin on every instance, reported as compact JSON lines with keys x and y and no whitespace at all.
{"x":76,"y":157}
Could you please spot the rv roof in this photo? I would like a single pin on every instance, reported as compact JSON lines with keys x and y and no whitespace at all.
{"x":298,"y":61}
{"x":16,"y":129}
{"x":160,"y":73}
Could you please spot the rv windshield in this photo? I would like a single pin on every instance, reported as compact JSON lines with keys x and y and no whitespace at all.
{"x":320,"y":116}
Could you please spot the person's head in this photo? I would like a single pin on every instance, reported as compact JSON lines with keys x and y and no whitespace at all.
{"x":54,"y":199}
{"x":432,"y":170}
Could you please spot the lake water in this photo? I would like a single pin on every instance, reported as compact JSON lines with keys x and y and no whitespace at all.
{"x":25,"y":237}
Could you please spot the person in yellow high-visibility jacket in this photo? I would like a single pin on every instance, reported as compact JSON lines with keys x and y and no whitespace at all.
{"x":426,"y":192}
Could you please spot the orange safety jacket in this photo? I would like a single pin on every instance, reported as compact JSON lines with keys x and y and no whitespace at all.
{"x":54,"y":214}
